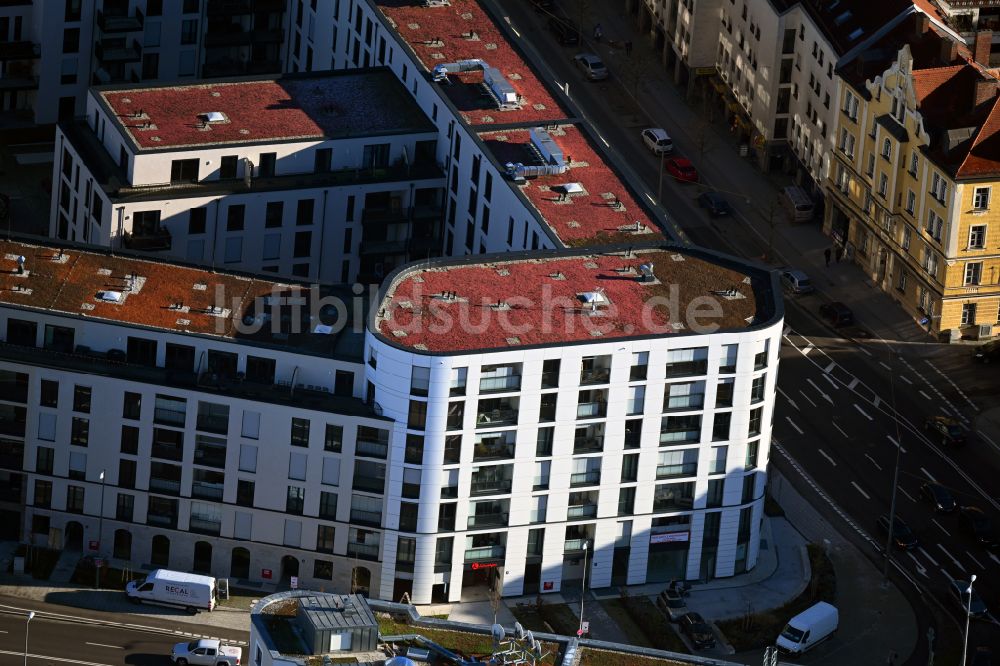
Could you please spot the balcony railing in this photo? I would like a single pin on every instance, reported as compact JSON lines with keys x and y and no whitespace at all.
{"x":22,"y":50}
{"x":576,"y":545}
{"x":591,"y":478}
{"x":495,"y":487}
{"x":12,"y":457}
{"x":591,"y":410}
{"x":588,"y":444}
{"x":684,"y":402}
{"x":158,"y":520}
{"x":485,"y":553}
{"x":112,"y":23}
{"x":686,"y":368}
{"x":581,"y":511}
{"x":165,"y":486}
{"x":500,"y":384}
{"x":209,"y":491}
{"x":367,"y":485}
{"x":681,"y":436}
{"x":362,"y":551}
{"x":366,"y":517}
{"x":205,"y":526}
{"x":167,"y":452}
{"x":595,"y":376}
{"x":481,"y":520}
{"x":118,"y":53}
{"x":371,"y":449}
{"x":449,"y":492}
{"x":150,"y":242}
{"x":496,"y":417}
{"x":671,"y":471}
{"x":484,"y":451}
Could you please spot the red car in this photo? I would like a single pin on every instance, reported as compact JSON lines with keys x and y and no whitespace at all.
{"x":681,"y":169}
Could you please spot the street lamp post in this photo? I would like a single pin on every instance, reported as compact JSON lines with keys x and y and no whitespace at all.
{"x":100,"y":533}
{"x":968,"y":612}
{"x":583,"y":587}
{"x":27,"y":624}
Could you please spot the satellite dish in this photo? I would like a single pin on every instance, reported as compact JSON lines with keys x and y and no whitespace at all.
{"x":498,"y":632}
{"x":518,"y":631}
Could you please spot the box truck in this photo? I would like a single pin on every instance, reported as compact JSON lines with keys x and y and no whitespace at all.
{"x":804,"y":631}
{"x":174,"y":588}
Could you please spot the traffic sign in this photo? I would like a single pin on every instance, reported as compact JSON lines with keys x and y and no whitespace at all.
{"x":294,"y":582}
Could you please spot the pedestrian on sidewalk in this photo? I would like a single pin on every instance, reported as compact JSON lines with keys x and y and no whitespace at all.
{"x":628,"y":47}
{"x":840,"y":252}
{"x":826,"y":255}
{"x":598,"y":33}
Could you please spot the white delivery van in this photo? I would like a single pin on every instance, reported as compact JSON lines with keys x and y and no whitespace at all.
{"x":797,"y":203}
{"x":804,"y":631}
{"x":174,"y":588}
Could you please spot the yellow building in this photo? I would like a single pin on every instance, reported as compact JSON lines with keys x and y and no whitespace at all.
{"x":911,"y":181}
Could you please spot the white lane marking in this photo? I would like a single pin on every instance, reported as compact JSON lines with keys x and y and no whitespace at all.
{"x":787,"y":330}
{"x":978,"y":563}
{"x":951,"y":557}
{"x":858,"y":488}
{"x":805,"y":350}
{"x":982,"y":435}
{"x":908,"y":495}
{"x":885,"y":365}
{"x":929,"y":475}
{"x":792,"y":423}
{"x":940,"y":526}
{"x":994,"y":558}
{"x":928,"y":556}
{"x":906,"y":379}
{"x":865,"y":351}
{"x":830,"y":367}
{"x":825,"y":396}
{"x":829,"y":459}
{"x":920,"y":568}
{"x":62,"y":659}
{"x":953,"y":385}
{"x":944,"y":410}
{"x":807,"y":398}
{"x":113,"y":647}
{"x":4,"y":632}
{"x":854,"y":382}
{"x":924,"y":395}
{"x":873,"y":462}
{"x":896,"y":444}
{"x":830,"y":381}
{"x":863,"y":412}
{"x":785,"y":396}
{"x":840,"y":430}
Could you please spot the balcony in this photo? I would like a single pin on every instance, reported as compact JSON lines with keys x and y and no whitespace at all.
{"x":494,"y":418}
{"x":385,"y":215}
{"x":577,"y":546}
{"x":119,"y":23}
{"x":367,"y":485}
{"x":496,"y":552}
{"x":162,"y":520}
{"x":371,"y":449}
{"x":482,"y":520}
{"x":362,"y":551}
{"x":165,"y":486}
{"x":493,"y":487}
{"x":581,"y":511}
{"x":500,"y":384}
{"x":230,"y":35}
{"x":205,"y":526}
{"x":492,"y":451}
{"x":23,"y":50}
{"x":595,"y":376}
{"x":19,"y":82}
{"x":111,"y":51}
{"x":208,"y":491}
{"x":154,"y":241}
{"x":588,"y":444}
{"x":12,"y":456}
{"x":591,"y":410}
{"x":591,"y":478}
{"x":373,"y":518}
{"x":449,"y":492}
{"x":673,"y":471}
{"x":687,"y":368}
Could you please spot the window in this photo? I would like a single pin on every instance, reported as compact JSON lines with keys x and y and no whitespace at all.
{"x":914,"y":162}
{"x":273,"y":213}
{"x":419,"y":380}
{"x":907,"y":234}
{"x":968,"y":314}
{"x":883,"y":185}
{"x":304,"y":211}
{"x":71,"y":40}
{"x":125,"y":507}
{"x":418,"y":415}
{"x":227,"y":166}
{"x":189,"y":31}
{"x":213,"y":417}
{"x":751,"y":457}
{"x":50,"y":393}
{"x":935,"y":225}
{"x":44,"y":457}
{"x":80,"y":431}
{"x":977,"y":236}
{"x":870,"y":171}
{"x":755,"y":422}
{"x":234,"y":217}
{"x":244,"y":492}
{"x":184,"y":171}
{"x":74,"y":499}
{"x":130,"y":440}
{"x":887,"y":149}
{"x":640,"y":361}
{"x":197,"y":220}
{"x":973,"y":272}
{"x":981,"y":198}
{"x":81,"y":399}
{"x":170,"y":411}
{"x":295,"y":498}
{"x":334,"y":438}
{"x":43,"y":494}
{"x":847,"y":143}
{"x":901,"y":283}
{"x":911,"y":200}
{"x":300,"y":432}
{"x":717,"y":461}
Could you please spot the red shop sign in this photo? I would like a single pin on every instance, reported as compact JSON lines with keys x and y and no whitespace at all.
{"x":484,"y":565}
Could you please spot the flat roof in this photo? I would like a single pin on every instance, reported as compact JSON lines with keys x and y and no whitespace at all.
{"x":604,"y":212}
{"x":343,"y":103}
{"x":559,"y":298}
{"x":172,"y":297}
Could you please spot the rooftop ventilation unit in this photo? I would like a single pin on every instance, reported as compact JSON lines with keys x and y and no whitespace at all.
{"x":110,"y":296}
{"x":854,"y":35}
{"x":214,"y":117}
{"x":498,"y":86}
{"x":843,"y":18}
{"x":437,"y":3}
{"x":646,"y":273}
{"x":553,"y":162}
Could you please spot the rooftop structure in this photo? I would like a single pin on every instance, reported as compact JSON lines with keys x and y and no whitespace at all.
{"x":347,"y":104}
{"x":546,"y":300}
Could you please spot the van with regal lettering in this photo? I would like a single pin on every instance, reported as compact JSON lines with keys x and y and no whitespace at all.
{"x":174,"y":588}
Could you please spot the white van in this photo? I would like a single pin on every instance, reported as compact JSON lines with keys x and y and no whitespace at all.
{"x":797,"y":203}
{"x":807,"y":629}
{"x":174,"y":588}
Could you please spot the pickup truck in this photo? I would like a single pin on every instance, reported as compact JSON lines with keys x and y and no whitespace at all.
{"x":205,"y":652}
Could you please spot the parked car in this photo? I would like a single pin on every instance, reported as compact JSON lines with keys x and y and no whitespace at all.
{"x":796,"y":281}
{"x":714,"y":203}
{"x":657,"y":140}
{"x":975,"y":606}
{"x":564,"y":30}
{"x":974,"y":522}
{"x":809,"y":628}
{"x":592,"y":66}
{"x":206,"y":652}
{"x":681,"y":169}
{"x":902,"y":536}
{"x":836,"y":314}
{"x":672,"y":603}
{"x":939,"y":496}
{"x":945,"y":430}
{"x":697,"y":630}
{"x":988,"y":353}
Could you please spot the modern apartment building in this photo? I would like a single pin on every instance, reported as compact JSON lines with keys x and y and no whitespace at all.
{"x":911,"y":189}
{"x":96,"y":42}
{"x":771,"y":63}
{"x":332,"y":177}
{"x":495,"y":419}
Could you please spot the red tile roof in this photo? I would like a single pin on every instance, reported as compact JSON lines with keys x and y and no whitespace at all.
{"x":984,"y":155}
{"x":578,"y":219}
{"x":311,"y":107}
{"x":445,"y":34}
{"x":543,"y":304}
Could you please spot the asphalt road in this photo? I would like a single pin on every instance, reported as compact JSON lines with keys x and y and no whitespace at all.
{"x":845,"y":406}
{"x":60,"y":635}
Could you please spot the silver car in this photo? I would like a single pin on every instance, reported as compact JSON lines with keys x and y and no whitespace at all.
{"x":796,"y":282}
{"x":592,"y":66}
